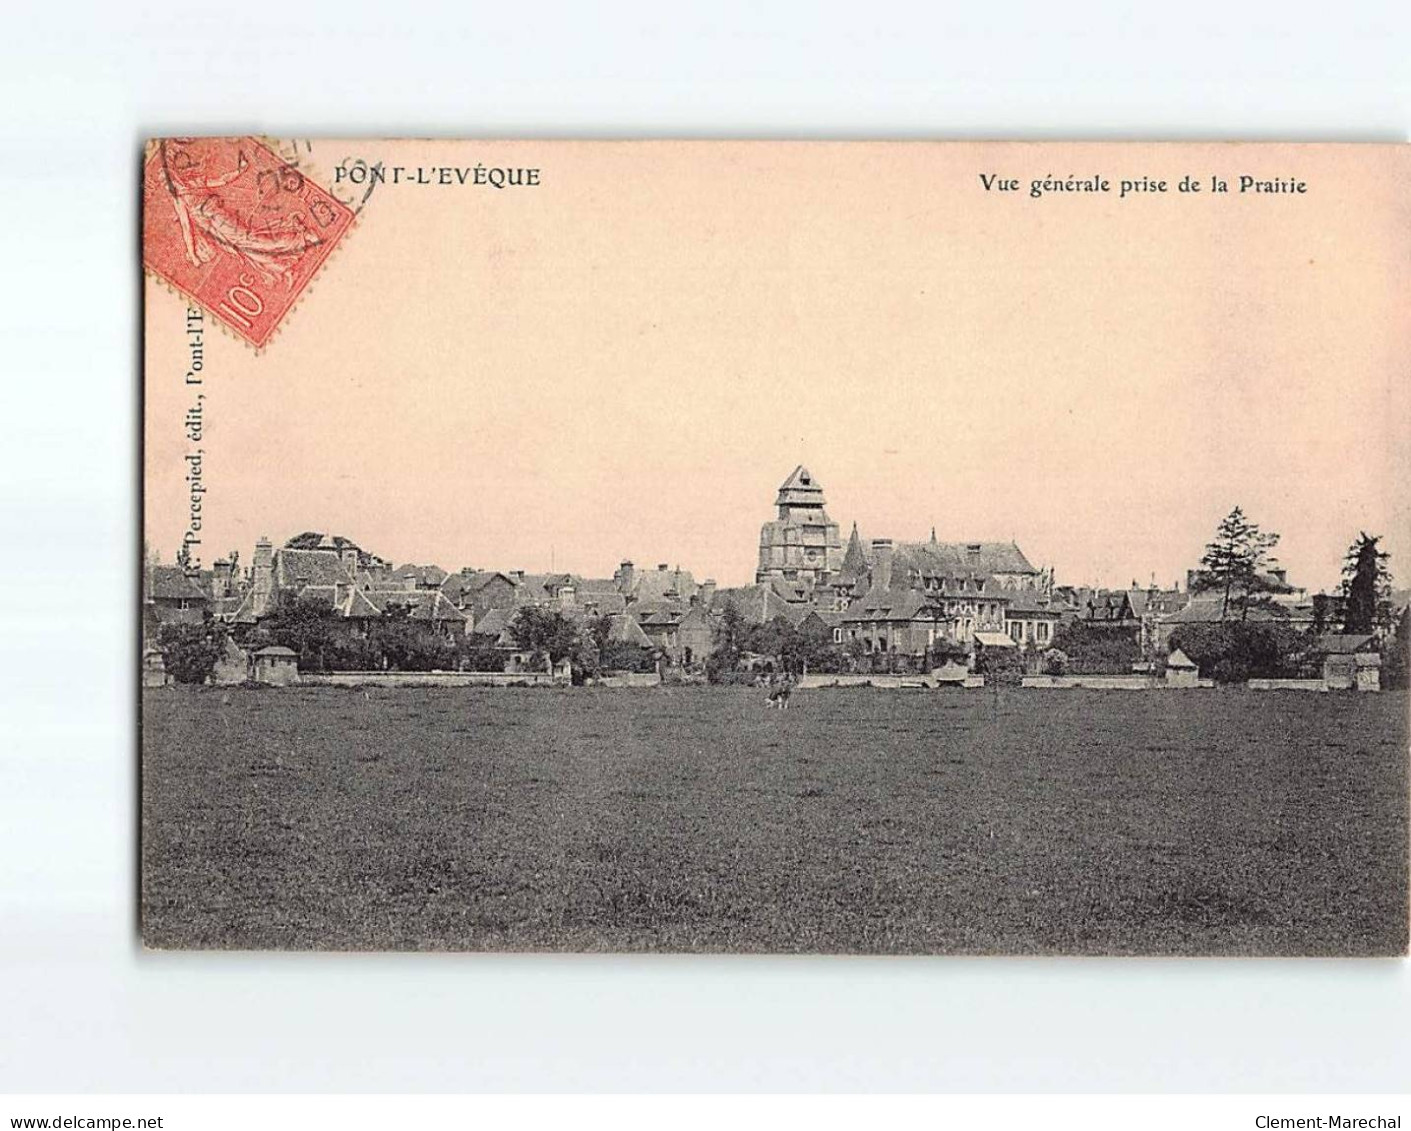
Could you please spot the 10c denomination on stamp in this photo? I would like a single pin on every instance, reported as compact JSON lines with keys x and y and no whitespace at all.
{"x":236,"y":229}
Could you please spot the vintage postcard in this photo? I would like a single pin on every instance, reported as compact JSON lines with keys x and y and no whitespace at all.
{"x":776,"y":547}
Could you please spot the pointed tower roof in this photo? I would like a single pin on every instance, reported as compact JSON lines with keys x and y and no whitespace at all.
{"x":854,"y":560}
{"x":800,"y":490}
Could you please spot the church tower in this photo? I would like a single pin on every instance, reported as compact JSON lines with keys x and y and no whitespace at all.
{"x":802,"y":544}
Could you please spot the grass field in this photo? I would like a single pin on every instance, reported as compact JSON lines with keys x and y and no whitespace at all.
{"x":1211,"y":822}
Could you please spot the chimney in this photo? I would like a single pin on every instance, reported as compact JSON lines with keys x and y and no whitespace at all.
{"x":708,"y":592}
{"x":881,"y":563}
{"x":349,"y":556}
{"x":661,"y":567}
{"x":263,"y":576}
{"x":517,"y":575}
{"x":221,"y":572}
{"x":626,"y":578}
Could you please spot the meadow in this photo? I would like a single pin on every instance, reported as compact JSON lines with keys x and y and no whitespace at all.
{"x":693,"y":819}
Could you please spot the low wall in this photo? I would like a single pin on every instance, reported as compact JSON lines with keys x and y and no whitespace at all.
{"x":1287,"y":685}
{"x":1103,"y":682}
{"x":628,"y":679}
{"x":427,"y":679}
{"x":887,"y":681}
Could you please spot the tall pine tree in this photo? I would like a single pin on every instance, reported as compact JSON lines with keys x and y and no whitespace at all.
{"x":1234,"y":564}
{"x":1366,"y":585}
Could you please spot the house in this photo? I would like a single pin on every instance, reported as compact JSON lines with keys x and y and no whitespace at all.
{"x":971,"y":585}
{"x":685,"y":634}
{"x":933,"y":564}
{"x":901,"y":620}
{"x":478,"y":591}
{"x":1115,"y":609}
{"x":327,"y":572}
{"x":173,"y":597}
{"x":761,"y":603}
{"x":1030,"y":619}
{"x":622,"y":629}
{"x":492,"y":627}
{"x":1135,"y":612}
{"x":426,"y":608}
{"x":822,"y":626}
{"x":593,"y":597}
{"x":660,"y":584}
{"x":919,"y":592}
{"x":1212,"y":608}
{"x":1350,"y":661}
{"x":541,"y":590}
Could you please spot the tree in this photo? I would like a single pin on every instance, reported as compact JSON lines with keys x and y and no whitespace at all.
{"x":999,"y":665}
{"x":1366,"y":584}
{"x":544,"y":633}
{"x":1396,"y":653}
{"x":855,"y":654}
{"x":1234,"y":651}
{"x":1093,"y":650}
{"x":729,"y":639}
{"x":1235,"y":562}
{"x":473,"y":655}
{"x":816,"y":649}
{"x":590,"y":648}
{"x":398,"y":642}
{"x":946,"y":651}
{"x":191,"y":651}
{"x":309,"y":628}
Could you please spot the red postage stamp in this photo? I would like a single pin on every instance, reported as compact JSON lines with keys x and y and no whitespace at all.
{"x":236,"y":229}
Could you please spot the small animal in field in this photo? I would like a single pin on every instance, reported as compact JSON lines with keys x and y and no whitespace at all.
{"x":779,"y":696}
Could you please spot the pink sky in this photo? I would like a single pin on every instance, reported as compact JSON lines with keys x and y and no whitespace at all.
{"x":626,"y":361}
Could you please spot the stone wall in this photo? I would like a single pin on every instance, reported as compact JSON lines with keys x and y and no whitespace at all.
{"x":1098,"y":682}
{"x":628,"y":679}
{"x":887,"y":681}
{"x":431,"y":679}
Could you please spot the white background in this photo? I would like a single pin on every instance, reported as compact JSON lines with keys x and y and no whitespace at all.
{"x":82,"y":1008}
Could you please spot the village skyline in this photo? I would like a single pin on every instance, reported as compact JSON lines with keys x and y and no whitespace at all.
{"x":560,"y":557}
